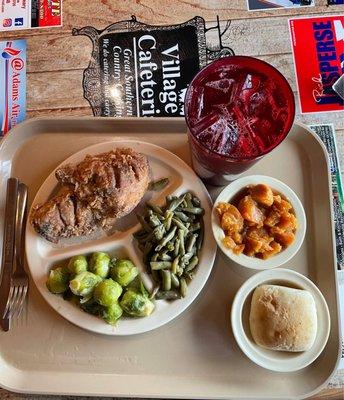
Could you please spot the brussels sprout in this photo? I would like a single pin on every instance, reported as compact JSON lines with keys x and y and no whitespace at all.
{"x":77,"y":264}
{"x":123,"y":272}
{"x":58,"y":280}
{"x":84,"y":283}
{"x":112,"y":314}
{"x":92,"y":307}
{"x":136,"y":305}
{"x":100,"y":264}
{"x":107,"y":292}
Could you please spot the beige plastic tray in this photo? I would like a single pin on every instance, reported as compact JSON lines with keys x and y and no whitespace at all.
{"x":194,"y":356}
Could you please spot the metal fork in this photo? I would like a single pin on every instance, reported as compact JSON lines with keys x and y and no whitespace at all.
{"x":19,"y":279}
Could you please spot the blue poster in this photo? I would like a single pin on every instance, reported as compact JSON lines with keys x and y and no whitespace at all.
{"x":12,"y":84}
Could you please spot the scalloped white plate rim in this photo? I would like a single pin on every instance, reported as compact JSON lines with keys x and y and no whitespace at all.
{"x":170,"y":310}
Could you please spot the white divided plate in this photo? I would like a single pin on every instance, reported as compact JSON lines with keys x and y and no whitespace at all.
{"x":42,"y":255}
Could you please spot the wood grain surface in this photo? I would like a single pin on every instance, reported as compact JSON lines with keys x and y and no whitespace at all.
{"x":56,"y":61}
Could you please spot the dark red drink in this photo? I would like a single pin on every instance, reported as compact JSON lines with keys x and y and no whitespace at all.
{"x":237,"y":110}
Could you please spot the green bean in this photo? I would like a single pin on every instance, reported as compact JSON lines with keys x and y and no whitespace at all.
{"x":191,"y":242}
{"x":186,"y":258}
{"x":146,"y":251}
{"x":174,"y":280}
{"x":164,"y":256}
{"x":154,"y":292}
{"x":168,"y":220}
{"x":175,"y":203}
{"x":195,"y":227}
{"x":158,"y":184}
{"x":180,"y":271}
{"x":156,"y":265}
{"x":144,"y":224}
{"x":169,"y":295}
{"x":183,"y":217}
{"x":181,"y":240}
{"x":155,"y":257}
{"x":193,"y":210}
{"x":196,"y":201}
{"x":154,"y":207}
{"x":154,"y":221}
{"x":179,"y":224}
{"x":189,"y":275}
{"x":158,"y":233}
{"x":176,"y":247}
{"x":192,"y":264}
{"x":183,"y":287}
{"x":166,"y":239}
{"x":175,"y":265}
{"x":170,"y":246}
{"x":166,"y":279}
{"x":200,"y":238}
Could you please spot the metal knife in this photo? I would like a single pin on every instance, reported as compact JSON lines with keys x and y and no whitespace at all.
{"x":8,"y":248}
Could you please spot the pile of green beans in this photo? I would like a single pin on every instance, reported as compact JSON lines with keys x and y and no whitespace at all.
{"x":170,"y":239}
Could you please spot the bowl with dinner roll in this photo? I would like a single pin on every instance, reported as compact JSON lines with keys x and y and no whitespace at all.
{"x":280,"y":320}
{"x":258,"y":222}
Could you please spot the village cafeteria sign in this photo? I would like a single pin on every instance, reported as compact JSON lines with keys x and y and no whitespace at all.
{"x":144,"y":70}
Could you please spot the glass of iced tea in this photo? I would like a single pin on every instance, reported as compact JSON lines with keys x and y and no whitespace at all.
{"x":237,"y":110}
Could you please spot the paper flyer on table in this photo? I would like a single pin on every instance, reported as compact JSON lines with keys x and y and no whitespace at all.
{"x":317,"y":45}
{"x":12,"y":84}
{"x":327,"y":134}
{"x":26,"y":14}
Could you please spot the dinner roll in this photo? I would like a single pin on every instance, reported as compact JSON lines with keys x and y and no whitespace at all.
{"x":282,"y":318}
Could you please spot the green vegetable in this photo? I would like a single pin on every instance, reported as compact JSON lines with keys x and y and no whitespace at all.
{"x":112,"y":313}
{"x":77,"y":264}
{"x":155,"y":265}
{"x":166,"y":279}
{"x":107,"y":292}
{"x":170,"y":239}
{"x":58,"y":280}
{"x":92,"y":307}
{"x":84,"y":283}
{"x":136,"y":305}
{"x":159,"y":184}
{"x":183,"y":287}
{"x":100,"y":264}
{"x":123,"y":272}
{"x":167,"y":295}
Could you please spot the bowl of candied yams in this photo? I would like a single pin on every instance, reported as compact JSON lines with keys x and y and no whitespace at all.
{"x":258,"y":222}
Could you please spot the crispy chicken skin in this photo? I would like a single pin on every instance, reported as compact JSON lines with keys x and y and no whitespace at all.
{"x":101,"y":187}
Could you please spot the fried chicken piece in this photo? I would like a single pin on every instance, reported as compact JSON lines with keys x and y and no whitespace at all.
{"x":262,"y":194}
{"x":98,"y":189}
{"x":61,"y":217}
{"x":250,"y":211}
{"x":112,"y":183}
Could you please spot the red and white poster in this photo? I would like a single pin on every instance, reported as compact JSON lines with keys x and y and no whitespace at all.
{"x":25,"y":14}
{"x":318,"y":49}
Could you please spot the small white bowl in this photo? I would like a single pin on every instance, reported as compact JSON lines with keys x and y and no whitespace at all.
{"x":279,"y":361}
{"x":278,"y":259}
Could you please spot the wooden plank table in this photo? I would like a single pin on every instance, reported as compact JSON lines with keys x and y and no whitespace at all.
{"x":56,"y":61}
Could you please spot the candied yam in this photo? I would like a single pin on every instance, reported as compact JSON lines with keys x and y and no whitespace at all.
{"x":276,"y":248}
{"x":272,"y":218}
{"x":221,"y":208}
{"x":262,"y":194}
{"x":250,"y":211}
{"x":285,"y":239}
{"x":252,"y":246}
{"x":288,"y":222}
{"x":231,"y":220}
{"x":261,"y":235}
{"x":228,"y":242}
{"x":237,"y":237}
{"x":238,"y":249}
{"x":277,"y":199}
{"x":283,"y":206}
